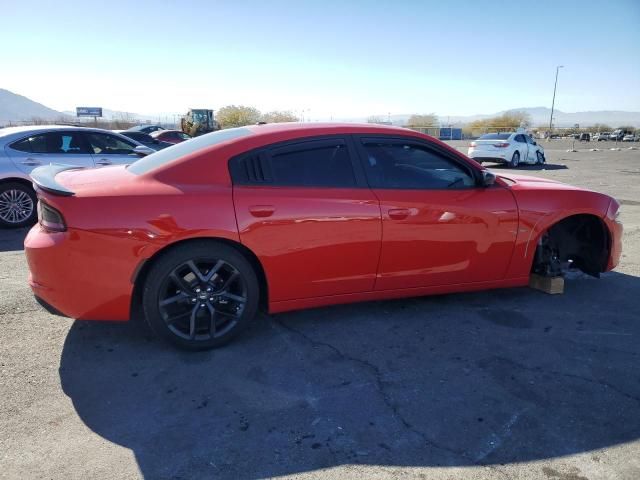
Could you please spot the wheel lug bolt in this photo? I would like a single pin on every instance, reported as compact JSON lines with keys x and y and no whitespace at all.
{"x":202,"y":305}
{"x":209,"y":289}
{"x":194,"y":300}
{"x":197,"y":290}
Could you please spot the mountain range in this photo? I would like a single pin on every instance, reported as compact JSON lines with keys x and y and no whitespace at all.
{"x":16,"y":108}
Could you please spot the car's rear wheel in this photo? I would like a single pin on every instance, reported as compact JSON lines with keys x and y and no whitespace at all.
{"x":539,"y":158}
{"x":200,"y":295}
{"x":515,"y":159}
{"x":17,"y":205}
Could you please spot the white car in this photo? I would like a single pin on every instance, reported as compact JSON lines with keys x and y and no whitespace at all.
{"x":629,"y":137}
{"x":24,"y":148}
{"x":512,"y":148}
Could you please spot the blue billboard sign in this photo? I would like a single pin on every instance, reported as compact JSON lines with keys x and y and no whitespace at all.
{"x":89,"y":111}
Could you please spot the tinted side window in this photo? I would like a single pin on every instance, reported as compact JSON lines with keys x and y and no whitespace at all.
{"x":23,"y":145}
{"x":409,"y":166}
{"x":104,"y":144}
{"x":321,"y":164}
{"x":69,"y":143}
{"x":520,"y":138}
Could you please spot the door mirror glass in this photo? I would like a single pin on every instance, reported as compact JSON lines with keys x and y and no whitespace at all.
{"x":488,"y":178}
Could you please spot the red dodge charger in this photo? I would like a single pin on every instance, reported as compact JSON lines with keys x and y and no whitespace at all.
{"x":288,"y":216}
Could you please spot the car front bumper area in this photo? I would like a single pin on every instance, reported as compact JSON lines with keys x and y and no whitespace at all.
{"x":77,"y":274}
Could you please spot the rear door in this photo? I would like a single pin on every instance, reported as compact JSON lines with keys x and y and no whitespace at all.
{"x":304,"y":208}
{"x":522,"y":147}
{"x":109,"y":149}
{"x":439,"y":226}
{"x":65,"y":146}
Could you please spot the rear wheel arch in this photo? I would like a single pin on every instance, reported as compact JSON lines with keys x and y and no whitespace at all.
{"x":583,"y":238}
{"x":141,"y":272}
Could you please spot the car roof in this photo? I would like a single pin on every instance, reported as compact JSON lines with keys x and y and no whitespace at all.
{"x":9,"y":134}
{"x":137,"y":128}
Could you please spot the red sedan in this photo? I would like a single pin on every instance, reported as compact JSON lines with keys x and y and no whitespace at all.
{"x":290,"y":216}
{"x":170,"y":136}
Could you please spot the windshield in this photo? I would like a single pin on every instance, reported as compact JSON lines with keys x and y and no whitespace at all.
{"x":200,"y":117}
{"x":168,"y":155}
{"x":495,"y":136}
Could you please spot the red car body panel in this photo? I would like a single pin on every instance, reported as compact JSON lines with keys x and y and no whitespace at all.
{"x":316,"y":246}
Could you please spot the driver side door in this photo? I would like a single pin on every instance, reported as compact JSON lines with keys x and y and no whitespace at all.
{"x":439,"y":226}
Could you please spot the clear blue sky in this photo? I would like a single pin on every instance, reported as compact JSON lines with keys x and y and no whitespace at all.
{"x":342,"y":58}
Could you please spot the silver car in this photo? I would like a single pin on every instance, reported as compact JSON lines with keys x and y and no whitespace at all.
{"x":24,"y":148}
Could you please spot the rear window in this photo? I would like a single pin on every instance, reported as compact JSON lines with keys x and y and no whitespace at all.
{"x":168,"y":155}
{"x":495,"y":136}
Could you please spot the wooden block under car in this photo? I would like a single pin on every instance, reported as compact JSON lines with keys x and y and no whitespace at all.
{"x":551,"y":285}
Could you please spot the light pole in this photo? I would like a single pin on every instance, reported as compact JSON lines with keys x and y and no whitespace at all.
{"x":553,"y":102}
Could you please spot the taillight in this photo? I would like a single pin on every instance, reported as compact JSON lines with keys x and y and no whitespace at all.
{"x":472,"y":144}
{"x":501,"y":145}
{"x":50,"y":218}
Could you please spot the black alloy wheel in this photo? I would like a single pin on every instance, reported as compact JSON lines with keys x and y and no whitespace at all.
{"x":200,"y":295}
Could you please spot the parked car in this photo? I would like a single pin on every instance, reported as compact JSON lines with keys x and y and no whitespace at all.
{"x":512,"y":148}
{"x":601,"y":136}
{"x":585,"y":137}
{"x":170,"y":136}
{"x":146,"y":139}
{"x":287,"y":216}
{"x":617,"y":135}
{"x":24,"y":148}
{"x":630,"y":137}
{"x":145,"y":128}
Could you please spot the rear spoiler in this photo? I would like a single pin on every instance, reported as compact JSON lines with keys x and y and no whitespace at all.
{"x":44,"y":178}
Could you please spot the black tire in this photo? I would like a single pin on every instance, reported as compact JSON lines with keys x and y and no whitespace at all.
{"x":173,"y":281}
{"x":515,"y":159}
{"x":17,"y":205}
{"x":539,"y":158}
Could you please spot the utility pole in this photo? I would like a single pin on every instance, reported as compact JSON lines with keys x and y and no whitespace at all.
{"x":553,"y":102}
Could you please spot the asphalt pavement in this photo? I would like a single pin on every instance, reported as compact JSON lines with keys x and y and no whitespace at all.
{"x":512,"y":384}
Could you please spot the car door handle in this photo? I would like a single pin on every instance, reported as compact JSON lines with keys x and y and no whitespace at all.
{"x":103,"y":161}
{"x":399,"y":213}
{"x":262,"y":210}
{"x":31,"y":162}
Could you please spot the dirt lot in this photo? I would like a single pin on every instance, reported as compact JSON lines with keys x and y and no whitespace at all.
{"x":505,"y":384}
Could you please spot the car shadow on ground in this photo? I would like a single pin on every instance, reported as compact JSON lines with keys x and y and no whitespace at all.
{"x":467,"y":379}
{"x":12,"y":239}
{"x":526,"y":167}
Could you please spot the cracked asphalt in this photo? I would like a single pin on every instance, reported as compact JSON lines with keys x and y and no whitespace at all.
{"x":512,"y":384}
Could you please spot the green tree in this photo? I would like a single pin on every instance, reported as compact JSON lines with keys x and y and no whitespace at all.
{"x":510,"y":120}
{"x":424,"y":120}
{"x":601,"y":127}
{"x":237,"y":116}
{"x":279,"y":116}
{"x":374,"y":119}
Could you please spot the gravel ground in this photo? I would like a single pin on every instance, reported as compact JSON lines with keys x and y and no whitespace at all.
{"x":504,"y":384}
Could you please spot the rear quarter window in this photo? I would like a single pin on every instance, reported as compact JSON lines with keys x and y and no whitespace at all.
{"x":171,"y":154}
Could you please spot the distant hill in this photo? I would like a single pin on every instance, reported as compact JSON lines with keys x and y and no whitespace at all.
{"x":540,"y":116}
{"x":14,"y":107}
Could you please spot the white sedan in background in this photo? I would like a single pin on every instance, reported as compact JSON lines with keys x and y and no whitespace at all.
{"x":512,"y":148}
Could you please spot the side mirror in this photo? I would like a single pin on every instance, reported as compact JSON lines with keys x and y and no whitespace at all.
{"x":143,"y":151}
{"x":534,"y":142}
{"x":488,"y":178}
